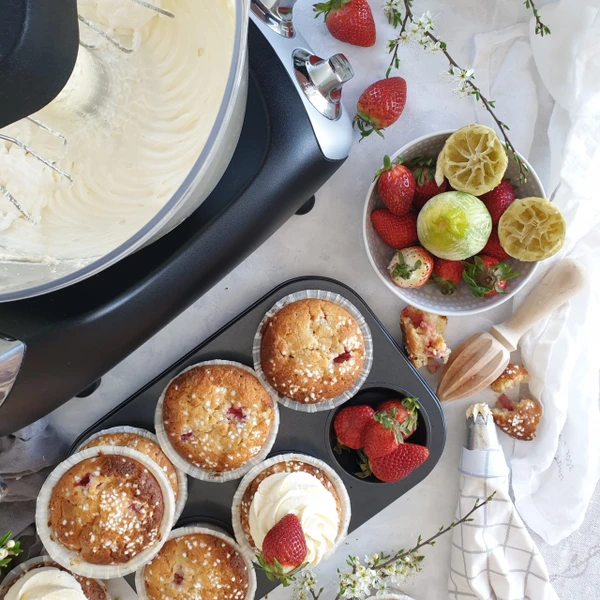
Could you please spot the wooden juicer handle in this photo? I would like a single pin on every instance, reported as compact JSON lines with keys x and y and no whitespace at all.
{"x":560,"y":284}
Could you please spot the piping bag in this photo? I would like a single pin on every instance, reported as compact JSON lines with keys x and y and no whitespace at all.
{"x":493,"y":556}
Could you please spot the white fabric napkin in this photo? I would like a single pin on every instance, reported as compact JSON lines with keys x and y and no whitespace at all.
{"x":493,"y":556}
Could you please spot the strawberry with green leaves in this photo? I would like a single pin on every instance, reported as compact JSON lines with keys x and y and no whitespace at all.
{"x":486,"y":276}
{"x":411,"y":267}
{"x":390,"y":426}
{"x":396,"y":186}
{"x":349,"y":21}
{"x":284,"y":550}
{"x":396,"y":465}
{"x":380,"y":105}
{"x":350,"y":424}
{"x":447,"y":274}
{"x":426,"y":188}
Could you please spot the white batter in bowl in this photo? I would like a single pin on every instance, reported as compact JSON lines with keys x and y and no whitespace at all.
{"x":152,"y":113}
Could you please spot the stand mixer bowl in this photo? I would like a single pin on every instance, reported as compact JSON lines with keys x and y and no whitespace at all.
{"x":21,"y":279}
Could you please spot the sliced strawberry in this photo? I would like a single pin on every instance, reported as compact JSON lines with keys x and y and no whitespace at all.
{"x":350,"y":424}
{"x":505,"y":402}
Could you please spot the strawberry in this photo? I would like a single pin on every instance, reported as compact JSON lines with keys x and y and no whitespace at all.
{"x":396,"y":186}
{"x":406,"y":413}
{"x":447,"y":274}
{"x":399,"y":463}
{"x":486,"y":276}
{"x":397,"y":232}
{"x":499,"y":199}
{"x":284,"y":547}
{"x":350,"y":424}
{"x":493,"y":247}
{"x":411,"y":267}
{"x":380,"y":105}
{"x":423,"y":170}
{"x":349,"y":21}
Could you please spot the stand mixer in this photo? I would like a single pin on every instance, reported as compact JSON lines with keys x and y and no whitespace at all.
{"x":63,"y":324}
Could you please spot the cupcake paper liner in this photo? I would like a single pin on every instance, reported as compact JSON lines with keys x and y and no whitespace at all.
{"x":339,"y":486}
{"x":367,"y":340}
{"x":140,"y":584}
{"x":194,"y":471}
{"x":182,"y":482}
{"x":70,"y":559}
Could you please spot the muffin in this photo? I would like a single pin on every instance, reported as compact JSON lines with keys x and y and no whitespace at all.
{"x":423,"y":336}
{"x":292,"y":484}
{"x":197,"y":562}
{"x":104,"y":511}
{"x":91,"y":589}
{"x":147,"y":443}
{"x":216,"y":420}
{"x":313,"y":350}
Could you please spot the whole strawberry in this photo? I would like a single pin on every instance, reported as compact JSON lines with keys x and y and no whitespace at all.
{"x":396,"y":186}
{"x":349,"y":21}
{"x":400,"y":463}
{"x":284,"y":547}
{"x":493,"y":247}
{"x":350,"y":424}
{"x":499,"y":199}
{"x":486,"y":276}
{"x":380,"y":105}
{"x":447,"y":274}
{"x":426,"y":188}
{"x":406,"y":413}
{"x":396,"y":232}
{"x":411,"y":267}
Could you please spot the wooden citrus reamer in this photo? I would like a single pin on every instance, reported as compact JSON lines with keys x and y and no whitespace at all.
{"x":480,"y":359}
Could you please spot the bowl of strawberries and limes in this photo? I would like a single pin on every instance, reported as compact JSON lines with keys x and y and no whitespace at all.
{"x":446,"y":236}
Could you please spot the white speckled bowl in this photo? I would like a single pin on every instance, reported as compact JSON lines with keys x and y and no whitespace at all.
{"x":429,"y":298}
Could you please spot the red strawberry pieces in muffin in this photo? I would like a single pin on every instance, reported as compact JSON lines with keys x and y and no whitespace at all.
{"x":499,"y":199}
{"x":422,"y":333}
{"x":400,"y":463}
{"x":349,"y":21}
{"x":487,"y":276}
{"x":284,"y":548}
{"x":447,"y":274}
{"x":396,"y":232}
{"x":426,"y":188}
{"x":396,"y":186}
{"x":350,"y":424}
{"x":380,"y":105}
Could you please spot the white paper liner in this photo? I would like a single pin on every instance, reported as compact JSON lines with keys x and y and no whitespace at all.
{"x":140,"y":583}
{"x":367,"y":340}
{"x":195,"y":471}
{"x":71,"y":560}
{"x":13,"y":575}
{"x":182,"y":482}
{"x":338,"y":484}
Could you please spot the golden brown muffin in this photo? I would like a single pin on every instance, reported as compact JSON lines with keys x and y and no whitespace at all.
{"x":422,"y":333}
{"x":291,"y":466}
{"x":312,"y":350}
{"x":92,"y":589}
{"x":217,"y":417}
{"x":511,"y":376}
{"x":518,"y":419}
{"x":197,"y":566}
{"x":108,"y":509}
{"x":142,"y":444}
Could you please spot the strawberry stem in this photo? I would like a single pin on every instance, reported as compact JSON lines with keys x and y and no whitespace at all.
{"x":366,"y":125}
{"x":324,"y":8}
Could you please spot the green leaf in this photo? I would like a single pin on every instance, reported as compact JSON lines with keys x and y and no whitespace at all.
{"x":4,"y":538}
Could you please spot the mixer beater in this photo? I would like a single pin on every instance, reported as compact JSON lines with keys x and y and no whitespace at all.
{"x":7,"y":102}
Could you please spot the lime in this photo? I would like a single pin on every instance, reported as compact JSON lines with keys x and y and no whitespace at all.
{"x":454,"y":225}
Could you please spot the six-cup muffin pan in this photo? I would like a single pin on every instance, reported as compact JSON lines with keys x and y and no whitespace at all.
{"x":391,"y":376}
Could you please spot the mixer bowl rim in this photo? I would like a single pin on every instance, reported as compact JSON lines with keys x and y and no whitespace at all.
{"x":237,"y":72}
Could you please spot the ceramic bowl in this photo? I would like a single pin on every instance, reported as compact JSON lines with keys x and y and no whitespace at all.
{"x":428,"y":297}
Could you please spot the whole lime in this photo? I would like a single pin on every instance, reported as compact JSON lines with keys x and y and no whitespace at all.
{"x":454,"y":225}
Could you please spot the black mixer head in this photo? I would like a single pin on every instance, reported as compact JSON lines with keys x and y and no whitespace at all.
{"x":39,"y":41}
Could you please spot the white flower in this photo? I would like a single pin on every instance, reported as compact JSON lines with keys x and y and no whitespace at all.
{"x":390,"y":7}
{"x":426,"y":22}
{"x":462,"y":77}
{"x":3,"y":553}
{"x":10,"y":544}
{"x":305,"y":580}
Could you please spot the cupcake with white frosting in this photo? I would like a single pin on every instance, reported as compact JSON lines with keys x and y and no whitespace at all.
{"x":292,"y":508}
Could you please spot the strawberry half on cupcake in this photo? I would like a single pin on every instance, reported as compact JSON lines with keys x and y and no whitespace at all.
{"x":290,"y":512}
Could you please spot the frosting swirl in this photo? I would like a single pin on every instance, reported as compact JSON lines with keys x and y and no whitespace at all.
{"x":46,"y":583}
{"x":303,"y":495}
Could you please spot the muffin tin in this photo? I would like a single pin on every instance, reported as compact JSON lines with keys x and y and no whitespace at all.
{"x":391,"y":375}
